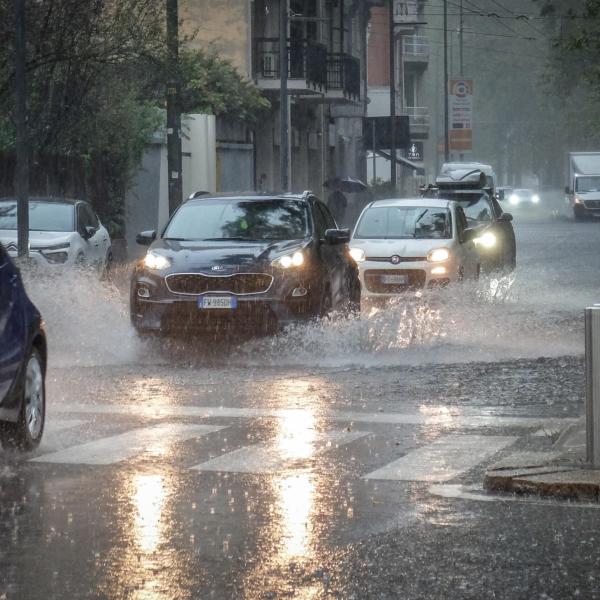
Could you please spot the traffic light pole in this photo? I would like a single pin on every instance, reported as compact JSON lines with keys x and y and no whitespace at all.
{"x":22,"y":152}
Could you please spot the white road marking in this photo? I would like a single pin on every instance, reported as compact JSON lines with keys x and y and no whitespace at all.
{"x":108,"y":450}
{"x":444,"y":419}
{"x":444,"y":459}
{"x":280,"y":454}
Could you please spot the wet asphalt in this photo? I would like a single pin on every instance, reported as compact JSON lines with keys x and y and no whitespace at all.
{"x":184,"y":471}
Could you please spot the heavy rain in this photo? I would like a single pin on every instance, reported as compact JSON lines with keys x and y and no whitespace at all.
{"x":323,"y":327}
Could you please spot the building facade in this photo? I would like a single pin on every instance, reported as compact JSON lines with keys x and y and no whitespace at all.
{"x":326,"y":61}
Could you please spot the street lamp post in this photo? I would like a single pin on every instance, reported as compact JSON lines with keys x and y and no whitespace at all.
{"x":446,"y":83}
{"x":22,"y":153}
{"x":174,"y":163}
{"x":284,"y":122}
{"x":393,"y":177}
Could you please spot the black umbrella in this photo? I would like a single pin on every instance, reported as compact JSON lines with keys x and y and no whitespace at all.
{"x":349,"y":185}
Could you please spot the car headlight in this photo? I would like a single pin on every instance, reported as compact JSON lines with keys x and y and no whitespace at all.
{"x":578,"y":200}
{"x":514,"y":199}
{"x":535,"y":198}
{"x":156,"y":262}
{"x":438,"y":255}
{"x":358,"y":254}
{"x":487,"y":240}
{"x":56,"y":254}
{"x":289,"y":260}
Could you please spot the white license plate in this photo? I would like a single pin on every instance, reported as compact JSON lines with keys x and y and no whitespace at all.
{"x":219,"y":302}
{"x":394,"y":279}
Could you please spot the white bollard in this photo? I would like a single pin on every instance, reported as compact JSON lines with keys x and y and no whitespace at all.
{"x":592,"y":385}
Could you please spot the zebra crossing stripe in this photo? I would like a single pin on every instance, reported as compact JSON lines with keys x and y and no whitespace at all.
{"x":281,"y":454}
{"x":390,"y":418}
{"x":109,"y":450}
{"x":444,"y":459}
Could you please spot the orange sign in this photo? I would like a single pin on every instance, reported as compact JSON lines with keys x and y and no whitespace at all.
{"x":461,"y":114}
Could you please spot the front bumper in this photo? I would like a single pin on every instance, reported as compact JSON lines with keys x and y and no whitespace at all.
{"x":377,"y":278}
{"x":588,"y":207}
{"x":167,"y":312}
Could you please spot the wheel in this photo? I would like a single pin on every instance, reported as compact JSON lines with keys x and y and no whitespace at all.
{"x":27,"y":432}
{"x":579,"y":216}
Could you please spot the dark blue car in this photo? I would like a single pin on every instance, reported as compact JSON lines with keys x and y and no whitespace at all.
{"x":22,"y":362}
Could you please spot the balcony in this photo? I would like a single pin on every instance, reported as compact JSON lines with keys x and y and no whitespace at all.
{"x":343,"y":78}
{"x":415,"y":49}
{"x":418,"y":117}
{"x":307,"y":66}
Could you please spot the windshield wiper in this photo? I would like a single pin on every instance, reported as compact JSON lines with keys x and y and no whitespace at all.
{"x":170,"y":239}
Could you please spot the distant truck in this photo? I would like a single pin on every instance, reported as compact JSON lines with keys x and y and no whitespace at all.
{"x":583,"y":190}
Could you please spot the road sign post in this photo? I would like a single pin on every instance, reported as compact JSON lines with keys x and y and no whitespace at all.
{"x":592,"y":387}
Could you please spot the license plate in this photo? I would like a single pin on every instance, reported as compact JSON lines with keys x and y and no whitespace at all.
{"x":218,"y":302}
{"x":394,"y":279}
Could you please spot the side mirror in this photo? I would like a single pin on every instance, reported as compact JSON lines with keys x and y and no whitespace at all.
{"x":337,"y":236}
{"x":145,"y":238}
{"x":505,"y":218}
{"x":568,"y":191}
{"x":470,"y":234}
{"x":88,"y":232}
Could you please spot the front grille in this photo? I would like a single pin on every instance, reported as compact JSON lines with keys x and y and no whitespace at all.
{"x":239,"y":284}
{"x":592,"y":204}
{"x":373,"y":280}
{"x":403,"y":259}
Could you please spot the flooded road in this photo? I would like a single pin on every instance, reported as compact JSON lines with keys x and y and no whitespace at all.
{"x":304,"y":466}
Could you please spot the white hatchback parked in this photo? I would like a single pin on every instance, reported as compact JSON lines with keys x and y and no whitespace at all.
{"x":61,"y":233}
{"x":402,"y":245}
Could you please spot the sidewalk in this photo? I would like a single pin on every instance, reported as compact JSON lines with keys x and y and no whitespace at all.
{"x":560,"y":472}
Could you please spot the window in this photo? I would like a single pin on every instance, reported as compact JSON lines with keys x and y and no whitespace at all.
{"x":235,"y":219}
{"x":329,"y":220}
{"x":405,"y":222}
{"x":43,"y":216}
{"x":320,"y":221}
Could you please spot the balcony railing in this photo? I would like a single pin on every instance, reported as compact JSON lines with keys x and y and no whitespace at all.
{"x":418,"y":117}
{"x":343,"y":75}
{"x":306,"y":61}
{"x":415,"y":48}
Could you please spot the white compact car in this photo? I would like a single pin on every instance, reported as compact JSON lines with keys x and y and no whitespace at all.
{"x":402,"y":245}
{"x":61,"y":233}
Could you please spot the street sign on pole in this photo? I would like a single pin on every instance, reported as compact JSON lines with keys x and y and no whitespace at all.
{"x":461,"y":114}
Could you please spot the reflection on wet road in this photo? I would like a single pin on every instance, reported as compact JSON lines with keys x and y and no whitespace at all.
{"x":301,"y":466}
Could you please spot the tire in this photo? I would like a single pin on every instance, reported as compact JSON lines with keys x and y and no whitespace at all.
{"x":26,"y":433}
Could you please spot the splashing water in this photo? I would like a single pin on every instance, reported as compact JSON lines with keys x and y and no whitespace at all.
{"x":87,"y":320}
{"x":523,"y":315}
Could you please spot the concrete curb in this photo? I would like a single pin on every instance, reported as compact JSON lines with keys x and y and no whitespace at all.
{"x":560,"y":472}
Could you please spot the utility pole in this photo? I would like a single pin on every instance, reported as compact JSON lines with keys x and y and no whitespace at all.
{"x":173,"y":109}
{"x":284,"y":116}
{"x":461,"y":31}
{"x":446,"y":84}
{"x":22,"y":152}
{"x":393,"y":178}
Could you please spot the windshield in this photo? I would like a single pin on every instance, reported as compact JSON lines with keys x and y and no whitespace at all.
{"x":405,"y":222}
{"x":587,"y":184}
{"x":223,"y":219}
{"x":43,"y":216}
{"x":477,"y":208}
